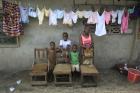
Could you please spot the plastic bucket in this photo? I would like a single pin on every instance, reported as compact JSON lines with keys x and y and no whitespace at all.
{"x":133,"y":75}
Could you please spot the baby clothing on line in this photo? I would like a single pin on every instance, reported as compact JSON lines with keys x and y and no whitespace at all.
{"x":47,"y":12}
{"x":52,"y":18}
{"x":40,"y":14}
{"x":70,"y":18}
{"x":120,"y":14}
{"x":131,"y":10}
{"x":59,"y":13}
{"x":87,"y":14}
{"x":80,"y":14}
{"x":107,"y":17}
{"x":92,"y":18}
{"x":32,"y":12}
{"x":67,"y":19}
{"x":114,"y":16}
{"x":24,"y":14}
{"x":100,"y":26}
{"x":74,"y":17}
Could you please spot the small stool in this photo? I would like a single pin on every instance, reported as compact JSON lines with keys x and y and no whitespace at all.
{"x":62,"y":74}
{"x":91,"y":72}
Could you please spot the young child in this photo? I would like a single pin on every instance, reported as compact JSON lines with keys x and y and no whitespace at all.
{"x":86,"y":45}
{"x":86,"y":38}
{"x":74,"y":58}
{"x":51,"y":59}
{"x":65,"y":45}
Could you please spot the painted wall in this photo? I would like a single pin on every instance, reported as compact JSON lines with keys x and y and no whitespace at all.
{"x":109,"y":49}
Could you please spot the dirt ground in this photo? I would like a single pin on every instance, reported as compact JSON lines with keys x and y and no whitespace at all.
{"x":110,"y":82}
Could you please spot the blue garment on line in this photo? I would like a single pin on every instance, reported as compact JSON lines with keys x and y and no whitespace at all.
{"x":24,"y":11}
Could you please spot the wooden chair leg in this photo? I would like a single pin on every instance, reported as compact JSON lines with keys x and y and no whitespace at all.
{"x":55,"y":78}
{"x":81,"y":79}
{"x":70,"y":78}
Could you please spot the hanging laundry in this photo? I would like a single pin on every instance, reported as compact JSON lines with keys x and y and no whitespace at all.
{"x":40,"y":14}
{"x":124,"y":24}
{"x":47,"y":12}
{"x":100,"y":26}
{"x":80,"y":14}
{"x":52,"y":18}
{"x":120,"y":14}
{"x":11,"y":19}
{"x":131,"y":10}
{"x":87,"y":14}
{"x":74,"y":17}
{"x":24,"y":11}
{"x":114,"y":16}
{"x":59,"y":13}
{"x":107,"y":17}
{"x":136,"y":12}
{"x":68,"y":18}
{"x":92,"y":18}
{"x":32,"y":12}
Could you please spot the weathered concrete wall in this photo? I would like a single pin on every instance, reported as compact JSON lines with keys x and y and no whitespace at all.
{"x":109,"y":49}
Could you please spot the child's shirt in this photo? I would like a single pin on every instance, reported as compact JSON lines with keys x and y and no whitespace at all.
{"x":65,"y":44}
{"x":74,"y":58}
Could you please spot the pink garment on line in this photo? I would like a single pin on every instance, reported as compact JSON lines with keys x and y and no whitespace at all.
{"x":124,"y":25}
{"x":107,"y":17}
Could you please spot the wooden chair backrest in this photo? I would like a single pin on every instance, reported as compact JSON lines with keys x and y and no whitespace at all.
{"x":40,"y":55}
{"x":60,"y":57}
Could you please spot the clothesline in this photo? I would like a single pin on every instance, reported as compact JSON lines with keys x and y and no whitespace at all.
{"x":60,"y":14}
{"x":71,"y":17}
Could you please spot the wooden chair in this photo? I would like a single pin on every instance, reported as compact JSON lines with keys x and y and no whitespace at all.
{"x":39,"y":67}
{"x":88,"y":70}
{"x":62,"y":70}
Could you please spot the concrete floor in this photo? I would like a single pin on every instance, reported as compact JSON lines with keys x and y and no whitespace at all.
{"x":110,"y":82}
